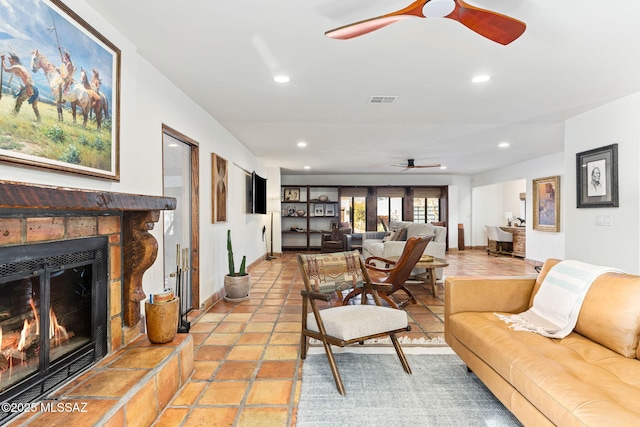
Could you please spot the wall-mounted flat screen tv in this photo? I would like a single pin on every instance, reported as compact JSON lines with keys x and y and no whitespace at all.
{"x":256,"y":194}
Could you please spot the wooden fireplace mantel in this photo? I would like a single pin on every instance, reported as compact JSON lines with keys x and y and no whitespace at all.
{"x":15,"y":195}
{"x":139,"y":213}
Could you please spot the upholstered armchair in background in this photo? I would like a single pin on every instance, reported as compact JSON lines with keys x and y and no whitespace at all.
{"x":335,"y":240}
{"x":500,"y":241}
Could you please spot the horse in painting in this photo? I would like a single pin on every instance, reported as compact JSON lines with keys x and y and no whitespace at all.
{"x":75,"y":94}
{"x":95,"y":86}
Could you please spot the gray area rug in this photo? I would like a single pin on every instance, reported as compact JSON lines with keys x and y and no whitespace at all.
{"x":440,"y":392}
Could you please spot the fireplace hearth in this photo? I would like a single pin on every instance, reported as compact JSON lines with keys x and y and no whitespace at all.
{"x":53,"y":314}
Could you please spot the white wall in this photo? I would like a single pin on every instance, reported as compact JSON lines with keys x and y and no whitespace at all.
{"x":489,"y":205}
{"x":540,"y":245}
{"x":459,"y":192}
{"x":616,"y":245}
{"x":149,"y":100}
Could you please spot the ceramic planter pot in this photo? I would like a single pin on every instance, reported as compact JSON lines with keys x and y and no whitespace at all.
{"x":237,"y":287}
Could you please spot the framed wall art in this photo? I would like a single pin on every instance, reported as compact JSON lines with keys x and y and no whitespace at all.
{"x":219,"y":183}
{"x":318,"y":209}
{"x":597,"y":177}
{"x":59,"y":103}
{"x":546,"y":208}
{"x":329,"y":209}
{"x":291,"y":195}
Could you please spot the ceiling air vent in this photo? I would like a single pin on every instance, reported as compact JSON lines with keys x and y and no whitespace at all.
{"x":388,"y":99}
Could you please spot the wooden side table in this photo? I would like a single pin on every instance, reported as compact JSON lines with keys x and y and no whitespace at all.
{"x":429,"y":264}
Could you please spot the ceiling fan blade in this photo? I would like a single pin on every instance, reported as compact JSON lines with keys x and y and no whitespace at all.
{"x":428,"y":166}
{"x":492,"y":25}
{"x":363,"y":27}
{"x":368,"y":25}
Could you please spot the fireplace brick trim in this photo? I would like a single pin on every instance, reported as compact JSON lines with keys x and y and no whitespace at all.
{"x":35,"y":213}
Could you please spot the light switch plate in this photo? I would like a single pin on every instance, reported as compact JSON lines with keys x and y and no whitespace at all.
{"x":604,"y":220}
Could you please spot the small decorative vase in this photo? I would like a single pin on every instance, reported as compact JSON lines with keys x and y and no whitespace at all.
{"x":323,"y":198}
{"x":300,"y":212}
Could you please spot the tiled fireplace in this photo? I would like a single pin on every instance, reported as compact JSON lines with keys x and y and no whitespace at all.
{"x":71,"y":266}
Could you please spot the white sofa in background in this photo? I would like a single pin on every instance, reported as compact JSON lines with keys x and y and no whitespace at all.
{"x":437,"y":246}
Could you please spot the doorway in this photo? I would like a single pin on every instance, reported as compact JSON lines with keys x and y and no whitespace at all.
{"x":181,"y":226}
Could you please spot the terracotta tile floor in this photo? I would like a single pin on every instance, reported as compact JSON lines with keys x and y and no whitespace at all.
{"x":247,"y":366}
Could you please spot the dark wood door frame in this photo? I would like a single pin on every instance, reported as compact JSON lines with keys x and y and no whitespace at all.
{"x":195,"y":210}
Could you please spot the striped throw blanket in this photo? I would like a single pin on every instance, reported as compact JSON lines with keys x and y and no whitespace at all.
{"x":556,"y":306}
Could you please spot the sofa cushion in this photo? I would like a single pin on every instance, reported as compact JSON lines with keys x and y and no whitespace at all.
{"x":610,"y":313}
{"x":572,"y":381}
{"x":372,"y":247}
{"x":415,"y":229}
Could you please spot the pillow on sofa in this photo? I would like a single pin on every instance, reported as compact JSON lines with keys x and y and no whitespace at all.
{"x":399,"y":234}
{"x":388,"y":237}
{"x":610,"y":313}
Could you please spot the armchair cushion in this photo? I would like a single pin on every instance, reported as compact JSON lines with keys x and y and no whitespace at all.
{"x":348,"y":322}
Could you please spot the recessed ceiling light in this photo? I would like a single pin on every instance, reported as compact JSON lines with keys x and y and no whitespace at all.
{"x":481,"y":79}
{"x":443,"y":167}
{"x":503,"y":145}
{"x":173,"y":144}
{"x":307,"y":167}
{"x":281,"y":79}
{"x":302,"y":144}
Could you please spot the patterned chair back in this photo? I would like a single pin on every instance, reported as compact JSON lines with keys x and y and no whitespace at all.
{"x":333,"y":272}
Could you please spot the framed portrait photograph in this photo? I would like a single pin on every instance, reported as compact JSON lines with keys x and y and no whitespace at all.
{"x":597,"y":177}
{"x":59,"y":98}
{"x":546,"y":208}
{"x":291,"y":195}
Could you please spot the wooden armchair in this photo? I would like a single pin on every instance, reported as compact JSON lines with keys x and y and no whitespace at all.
{"x":392,"y":277}
{"x":326,"y":274}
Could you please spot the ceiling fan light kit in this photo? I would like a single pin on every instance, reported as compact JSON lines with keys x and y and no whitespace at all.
{"x":494,"y":26}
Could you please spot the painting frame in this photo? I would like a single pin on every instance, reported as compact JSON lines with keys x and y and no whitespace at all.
{"x":546,"y":204}
{"x":591,"y":192}
{"x":78,"y":147}
{"x":318,"y":209}
{"x":291,"y":194}
{"x":219,"y":186}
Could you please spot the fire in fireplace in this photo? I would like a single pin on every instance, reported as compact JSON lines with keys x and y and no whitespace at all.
{"x":53,"y":315}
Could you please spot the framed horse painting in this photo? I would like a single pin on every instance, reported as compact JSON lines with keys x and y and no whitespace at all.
{"x":60,"y":97}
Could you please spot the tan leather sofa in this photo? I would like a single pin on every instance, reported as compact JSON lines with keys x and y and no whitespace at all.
{"x":591,"y":377}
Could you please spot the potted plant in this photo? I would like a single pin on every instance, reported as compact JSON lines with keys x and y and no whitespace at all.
{"x":236,"y":284}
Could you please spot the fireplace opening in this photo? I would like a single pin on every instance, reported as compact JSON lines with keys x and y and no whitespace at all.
{"x":53,"y":314}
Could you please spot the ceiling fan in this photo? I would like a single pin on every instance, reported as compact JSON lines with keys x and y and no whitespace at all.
{"x":492,"y":25}
{"x":411,"y":164}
